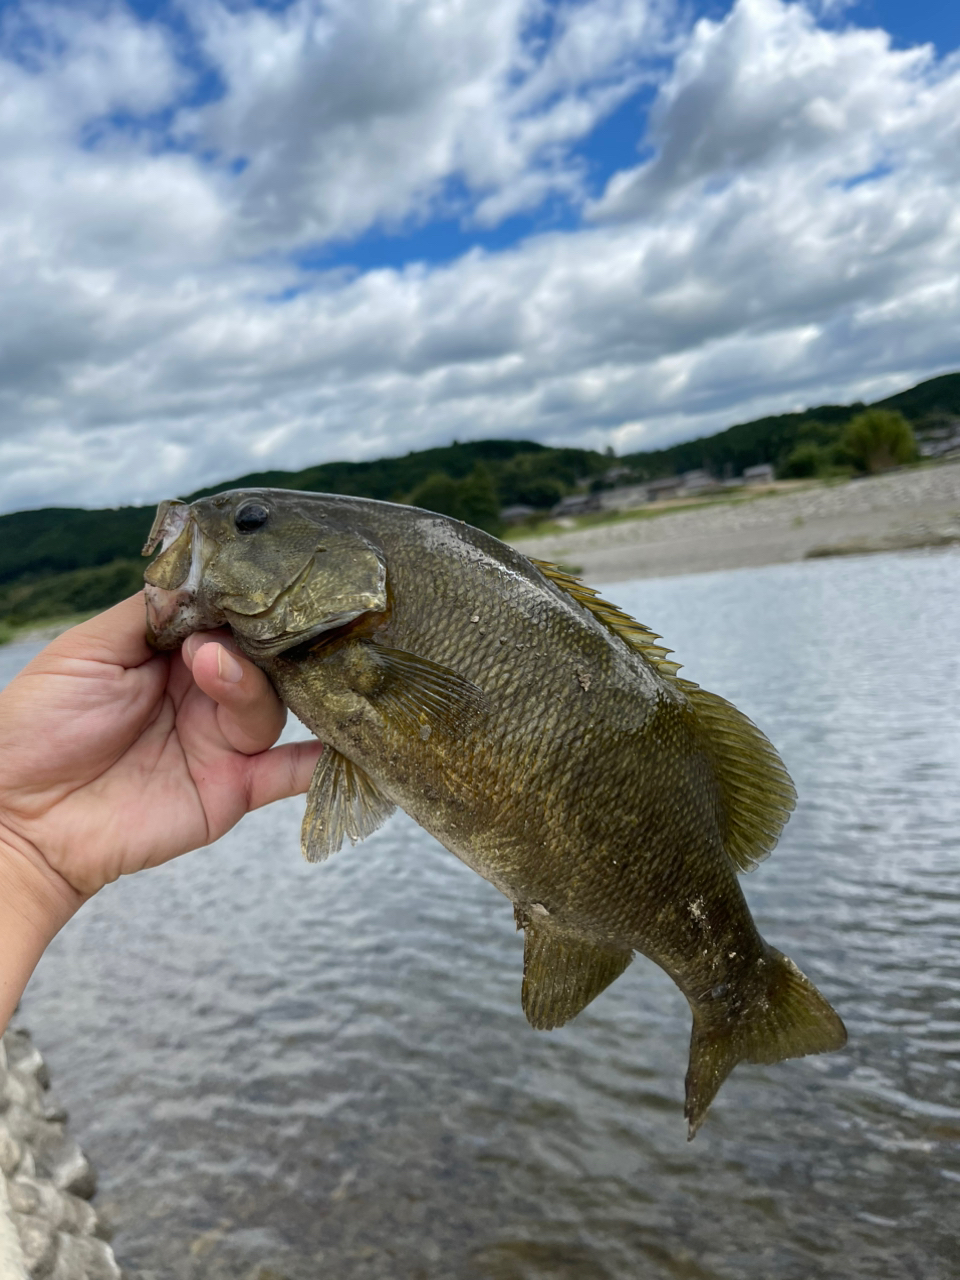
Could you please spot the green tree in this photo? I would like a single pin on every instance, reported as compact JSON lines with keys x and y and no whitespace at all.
{"x":474,"y":498}
{"x":804,"y":461}
{"x":878,"y":439}
{"x":535,"y":479}
{"x":441,"y":493}
{"x":479,"y":500}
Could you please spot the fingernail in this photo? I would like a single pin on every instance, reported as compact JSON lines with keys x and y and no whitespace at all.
{"x":228,"y":668}
{"x":192,"y":644}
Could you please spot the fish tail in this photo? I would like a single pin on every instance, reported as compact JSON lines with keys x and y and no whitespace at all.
{"x":784,"y":1016}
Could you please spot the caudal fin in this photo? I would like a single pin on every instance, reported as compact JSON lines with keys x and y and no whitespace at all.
{"x":786,"y":1017}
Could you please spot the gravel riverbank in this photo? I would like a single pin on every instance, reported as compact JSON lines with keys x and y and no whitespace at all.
{"x":893,"y":512}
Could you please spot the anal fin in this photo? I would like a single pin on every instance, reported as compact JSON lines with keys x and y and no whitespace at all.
{"x":563,"y":972}
{"x":342,"y":802}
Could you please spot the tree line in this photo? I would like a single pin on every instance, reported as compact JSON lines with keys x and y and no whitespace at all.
{"x":64,"y":560}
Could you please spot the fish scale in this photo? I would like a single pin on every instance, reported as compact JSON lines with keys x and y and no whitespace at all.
{"x":540,"y":734}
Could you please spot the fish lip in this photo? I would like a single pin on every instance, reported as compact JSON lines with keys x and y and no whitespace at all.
{"x":168,"y":524}
{"x":173,"y":613}
{"x":171,"y":617}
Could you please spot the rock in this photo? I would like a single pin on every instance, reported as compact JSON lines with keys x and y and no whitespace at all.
{"x":84,"y":1258}
{"x":69,"y":1169}
{"x":67,"y":1213}
{"x":24,"y":1124}
{"x":12,"y":1265}
{"x":48,"y":1231}
{"x":11,"y":1151}
{"x":24,"y":1195}
{"x":38,"y":1239}
{"x":24,"y":1057}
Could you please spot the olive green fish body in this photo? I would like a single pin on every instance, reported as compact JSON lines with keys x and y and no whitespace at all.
{"x":537,"y":733}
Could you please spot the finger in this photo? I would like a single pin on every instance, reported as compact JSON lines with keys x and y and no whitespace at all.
{"x":193,"y":643}
{"x":284,"y":771}
{"x":250,"y":715}
{"x":117,"y":636}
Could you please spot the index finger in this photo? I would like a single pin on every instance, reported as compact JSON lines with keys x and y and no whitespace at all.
{"x":117,"y":637}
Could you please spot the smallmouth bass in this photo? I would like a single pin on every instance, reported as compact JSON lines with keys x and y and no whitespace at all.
{"x":539,"y":733}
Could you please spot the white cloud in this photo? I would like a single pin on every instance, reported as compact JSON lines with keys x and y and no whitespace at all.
{"x":364,"y":111}
{"x":793,"y":237}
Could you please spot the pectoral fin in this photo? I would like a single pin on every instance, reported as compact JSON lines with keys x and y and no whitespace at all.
{"x":342,"y":801}
{"x":421,"y":695}
{"x":562,"y":972}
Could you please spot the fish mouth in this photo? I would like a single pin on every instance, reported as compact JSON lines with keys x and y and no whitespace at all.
{"x":173,"y":580}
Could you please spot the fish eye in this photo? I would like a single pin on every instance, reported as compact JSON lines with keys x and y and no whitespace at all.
{"x":250,"y":517}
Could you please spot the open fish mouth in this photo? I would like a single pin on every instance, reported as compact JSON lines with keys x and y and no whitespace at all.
{"x":173,"y":579}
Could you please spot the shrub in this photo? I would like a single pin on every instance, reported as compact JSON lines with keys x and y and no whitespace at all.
{"x":877,"y":440}
{"x":804,"y":461}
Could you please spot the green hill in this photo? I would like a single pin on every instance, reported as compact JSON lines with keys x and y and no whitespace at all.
{"x":61,"y":560}
{"x":745,"y":445}
{"x":926,"y":407}
{"x":64,"y":559}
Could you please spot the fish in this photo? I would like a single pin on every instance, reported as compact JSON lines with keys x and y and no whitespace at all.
{"x":537,"y":731}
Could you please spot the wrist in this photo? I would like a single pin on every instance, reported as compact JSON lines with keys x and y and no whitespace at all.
{"x":35,"y":904}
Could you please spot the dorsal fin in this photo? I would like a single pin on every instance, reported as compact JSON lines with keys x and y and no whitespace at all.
{"x":756,"y":788}
{"x":757,"y":791}
{"x":634,"y":633}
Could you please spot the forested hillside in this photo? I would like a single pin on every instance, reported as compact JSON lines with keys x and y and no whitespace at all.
{"x":62,"y":560}
{"x":773,"y":439}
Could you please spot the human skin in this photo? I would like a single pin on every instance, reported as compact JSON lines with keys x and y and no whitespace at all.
{"x":114,"y":758}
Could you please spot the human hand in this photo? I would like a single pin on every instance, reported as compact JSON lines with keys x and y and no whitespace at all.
{"x":114,"y":758}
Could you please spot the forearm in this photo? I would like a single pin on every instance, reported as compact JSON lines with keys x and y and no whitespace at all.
{"x":35,"y":904}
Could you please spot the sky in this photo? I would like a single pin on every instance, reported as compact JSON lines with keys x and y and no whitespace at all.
{"x":237,"y":236}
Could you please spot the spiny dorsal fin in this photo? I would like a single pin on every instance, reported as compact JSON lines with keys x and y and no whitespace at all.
{"x":756,"y":788}
{"x":342,"y":801}
{"x":562,"y":973}
{"x":634,"y":633}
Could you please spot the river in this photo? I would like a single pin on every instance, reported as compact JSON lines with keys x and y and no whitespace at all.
{"x":291,"y":1071}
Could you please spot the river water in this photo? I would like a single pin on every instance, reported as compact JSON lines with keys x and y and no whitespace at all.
{"x":302,"y":1072}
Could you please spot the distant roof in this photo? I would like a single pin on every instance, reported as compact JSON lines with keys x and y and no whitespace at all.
{"x":576,"y":502}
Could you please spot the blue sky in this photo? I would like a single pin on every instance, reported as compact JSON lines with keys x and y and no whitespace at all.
{"x":237,"y":235}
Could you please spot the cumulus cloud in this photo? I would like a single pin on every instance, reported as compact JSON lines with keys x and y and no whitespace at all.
{"x":790,"y":235}
{"x":767,"y":94}
{"x":364,"y":111}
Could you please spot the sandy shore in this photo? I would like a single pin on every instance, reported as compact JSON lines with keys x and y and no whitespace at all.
{"x":900,"y":510}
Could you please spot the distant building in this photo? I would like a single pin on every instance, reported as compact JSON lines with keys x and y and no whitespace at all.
{"x":623,"y":498}
{"x":577,"y":504}
{"x":516,"y":514}
{"x":668,"y":487}
{"x":760,"y":474}
{"x":694,"y":481}
{"x":943,"y":442}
